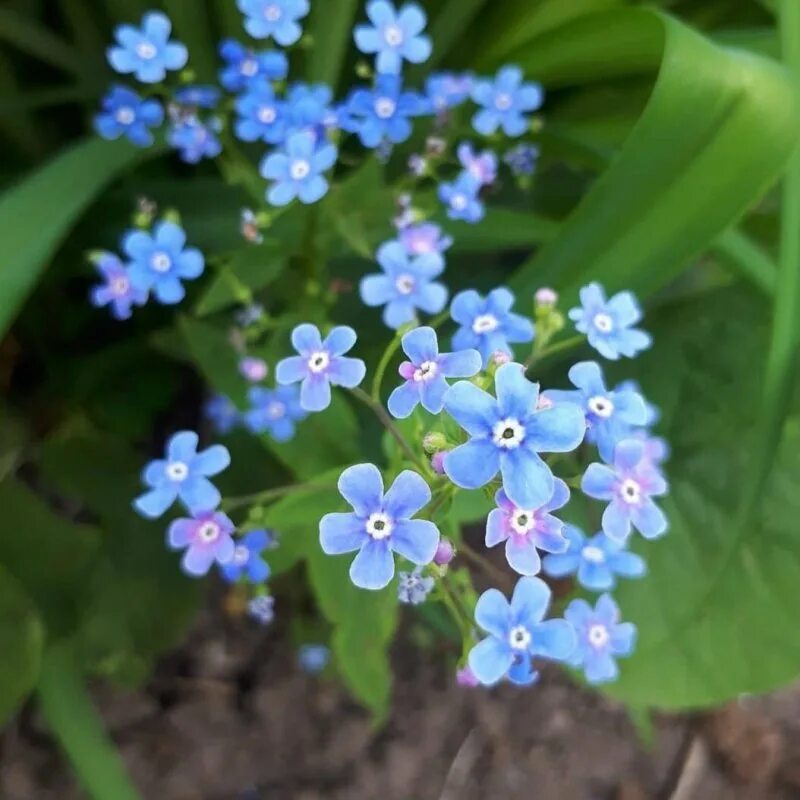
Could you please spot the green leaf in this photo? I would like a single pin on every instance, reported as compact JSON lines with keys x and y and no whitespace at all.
{"x":502,"y":229}
{"x":193,"y":28}
{"x":331,"y":26}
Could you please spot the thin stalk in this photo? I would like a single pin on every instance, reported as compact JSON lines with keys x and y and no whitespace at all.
{"x":747,"y":258}
{"x":273,"y":494}
{"x":388,"y":353}
{"x":490,"y":569}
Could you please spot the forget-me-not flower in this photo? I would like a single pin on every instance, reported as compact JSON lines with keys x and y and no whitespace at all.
{"x":222,"y":413}
{"x":117,"y":292}
{"x":126,"y":114}
{"x":426,"y":372}
{"x":206,"y":538}
{"x":313,"y":658}
{"x":446,"y":90}
{"x":244,"y":66}
{"x":481,"y":166}
{"x":275,"y":411}
{"x":505,"y":100}
{"x":262,"y":116}
{"x":195,"y":140}
{"x":393,"y":36}
{"x":518,"y":633}
{"x":382,"y":113}
{"x":522,"y":159}
{"x":183,"y":475}
{"x":424,"y":237}
{"x":308,"y":108}
{"x":262,"y":608}
{"x":413,"y":587}
{"x":253,"y":369}
{"x":320,"y":364}
{"x":198,"y":96}
{"x":507,"y":435}
{"x":460,"y":198}
{"x":277,"y":19}
{"x":246,"y":559}
{"x":147,"y":52}
{"x":297,"y":170}
{"x":379,"y":525}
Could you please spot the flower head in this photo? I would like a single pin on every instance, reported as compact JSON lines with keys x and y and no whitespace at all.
{"x":505,"y":100}
{"x":629,"y":485}
{"x":146,"y":52}
{"x":413,"y":587}
{"x":522,"y":159}
{"x":426,"y":371}
{"x":379,"y":525}
{"x":195,"y":140}
{"x":313,"y":658}
{"x":517,"y":632}
{"x":481,"y":166}
{"x":126,"y":114}
{"x":487,"y":323}
{"x":507,"y":434}
{"x":244,"y":66}
{"x":253,"y":369}
{"x":596,"y":562}
{"x":159,"y":261}
{"x":246,"y":558}
{"x":424,"y":237}
{"x":446,"y":90}
{"x":393,"y":36}
{"x":297,"y":170}
{"x":222,"y":413}
{"x":608,"y":323}
{"x":308,"y":108}
{"x":206,"y":538}
{"x":406,"y":284}
{"x":118,"y":291}
{"x":275,"y":19}
{"x":275,"y":411}
{"x":461,"y":198}
{"x":320,"y":364}
{"x":262,"y":609}
{"x":262,"y":117}
{"x":601,"y":638}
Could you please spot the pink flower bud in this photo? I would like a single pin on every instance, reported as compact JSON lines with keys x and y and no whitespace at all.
{"x":445,"y":553}
{"x":500,"y":357}
{"x":253,"y":369}
{"x":546,"y":297}
{"x":437,"y":462}
{"x":466,"y":678}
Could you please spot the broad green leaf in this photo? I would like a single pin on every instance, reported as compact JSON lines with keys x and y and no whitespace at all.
{"x":331,"y":26}
{"x":193,"y":27}
{"x":501,"y":229}
{"x":450,"y":22}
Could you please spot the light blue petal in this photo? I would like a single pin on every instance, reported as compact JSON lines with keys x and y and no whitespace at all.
{"x":154,"y":504}
{"x":473,"y":464}
{"x":623,"y":638}
{"x":403,"y":400}
{"x":522,"y":556}
{"x":421,"y":345}
{"x":516,"y":395}
{"x":558,"y":429}
{"x":169,"y":291}
{"x":597,"y":577}
{"x":461,"y":364}
{"x":398,"y":312}
{"x":183,"y":446}
{"x":493,"y":613}
{"x":624,"y":308}
{"x":362,"y":486}
{"x":598,"y":482}
{"x":416,"y":540}
{"x":197,"y":561}
{"x":190,"y":263}
{"x":649,"y":519}
{"x":530,"y":601}
{"x":490,"y":660}
{"x":407,"y":495}
{"x":527,"y":480}
{"x":199,"y":494}
{"x":291,"y":370}
{"x":347,"y":372}
{"x":281,"y":194}
{"x":600,"y":667}
{"x":559,"y":565}
{"x":373,"y":567}
{"x":306,"y":339}
{"x":486,"y":122}
{"x":432,"y":394}
{"x":315,"y":393}
{"x":628,"y":453}
{"x":496,"y":531}
{"x":376,"y":290}
{"x":628,"y":565}
{"x":588,"y":376}
{"x":555,"y":639}
{"x":466,"y":306}
{"x":312,"y":189}
{"x":341,"y":533}
{"x":367,"y":39}
{"x":472,"y":408}
{"x":340,"y":340}
{"x":617,"y":521}
{"x":211,"y":461}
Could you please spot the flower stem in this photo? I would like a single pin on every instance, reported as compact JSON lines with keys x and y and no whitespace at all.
{"x":266,"y":496}
{"x":490,"y":569}
{"x":388,"y":353}
{"x":557,"y":347}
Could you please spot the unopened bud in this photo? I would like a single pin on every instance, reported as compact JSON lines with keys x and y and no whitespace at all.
{"x":445,"y":553}
{"x":546,"y":297}
{"x":437,"y":462}
{"x":500,"y":357}
{"x":466,"y":677}
{"x":433,"y":442}
{"x":253,"y":369}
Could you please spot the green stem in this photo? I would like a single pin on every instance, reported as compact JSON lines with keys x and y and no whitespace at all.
{"x":259,"y":498}
{"x":558,"y":347}
{"x":71,"y":716}
{"x":388,"y":353}
{"x":490,"y":569}
{"x":747,"y":258}
{"x":457,"y":612}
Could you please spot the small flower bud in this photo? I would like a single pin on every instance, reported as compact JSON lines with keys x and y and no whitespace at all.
{"x":417,"y":165}
{"x":466,"y":677}
{"x":435,"y":145}
{"x":500,"y":357}
{"x":546,"y":297}
{"x":437,"y":462}
{"x":253,"y":369}
{"x":445,"y":552}
{"x":433,"y":442}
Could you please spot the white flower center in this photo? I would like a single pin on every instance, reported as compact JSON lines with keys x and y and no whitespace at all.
{"x":177,"y":471}
{"x":630,"y":491}
{"x":519,"y":638}
{"x":249,"y":67}
{"x":120,"y":285}
{"x":319,"y":361}
{"x":522,"y":521}
{"x":272,"y":13}
{"x":404,"y":284}
{"x":459,"y":201}
{"x":393,"y":35}
{"x":503,"y":101}
{"x":146,"y":50}
{"x":299,"y":169}
{"x":592,"y":554}
{"x":508,"y":434}
{"x":208,"y":532}
{"x":598,"y":635}
{"x":601,"y":406}
{"x":379,"y":526}
{"x":266,"y":114}
{"x":160,"y":262}
{"x":385,"y":107}
{"x":241,"y":555}
{"x":276,"y":409}
{"x":125,"y":115}
{"x":485,"y":323}
{"x":425,"y":371}
{"x":603,"y":322}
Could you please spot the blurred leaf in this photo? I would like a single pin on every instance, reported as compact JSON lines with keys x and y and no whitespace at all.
{"x":501,"y":229}
{"x":193,"y":27}
{"x":331,"y":26}
{"x":450,"y":22}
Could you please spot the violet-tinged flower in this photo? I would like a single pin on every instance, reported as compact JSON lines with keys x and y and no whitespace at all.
{"x":526,"y":529}
{"x":629,"y":485}
{"x":249,"y":315}
{"x":522,"y":159}
{"x":426,"y":371}
{"x":487,"y":323}
{"x":481,"y":166}
{"x":601,"y":638}
{"x":608,"y":323}
{"x":253,"y":369}
{"x":505,"y":100}
{"x":183,"y":475}
{"x":159,"y":261}
{"x":262,"y":609}
{"x":313,"y":658}
{"x":206,"y":538}
{"x":117,"y":292}
{"x":222,"y":413}
{"x":406,"y":284}
{"x":198,"y":96}
{"x":507,"y":435}
{"x":244,"y":66}
{"x":445,"y":553}
{"x":320,"y":364}
{"x":424,"y":237}
{"x":274,"y":18}
{"x":195,"y":140}
{"x":380,"y":525}
{"x":146,"y":52}
{"x":610,"y":416}
{"x":656,"y":449}
{"x":596,"y":562}
{"x":465,"y":678}
{"x":437,"y":463}
{"x":297,"y":171}
{"x":274,"y":411}
{"x":518,"y":632}
{"x":124,"y":113}
{"x":246,"y":558}
{"x":413,"y":587}
{"x":393,"y":36}
{"x":461,"y":200}
{"x":446,"y":90}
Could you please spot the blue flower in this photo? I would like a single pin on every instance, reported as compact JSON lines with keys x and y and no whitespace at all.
{"x":274,"y":411}
{"x":482,"y":167}
{"x":460,"y":197}
{"x":382,"y":113}
{"x":526,"y":529}
{"x":246,"y":558}
{"x":507,"y":435}
{"x":262,"y":609}
{"x":413,"y":588}
{"x":147,"y":52}
{"x":243,"y":66}
{"x":505,"y":101}
{"x":320,"y":364}
{"x":628,"y":485}
{"x":522,"y":159}
{"x":601,"y":638}
{"x":406,"y":285}
{"x":308,"y":107}
{"x":394,"y":36}
{"x":313,"y":658}
{"x":126,"y":114}
{"x":198,"y":96}
{"x":610,"y":416}
{"x":379,"y":525}
{"x":446,"y":90}
{"x":222,"y":413}
{"x":518,"y":632}
{"x":608,"y":324}
{"x":183,"y":475}
{"x":488,"y":324}
{"x":297,"y":170}
{"x":118,"y":290}
{"x":424,"y":237}
{"x":195,"y":140}
{"x":261,"y":115}
{"x":206,"y":538}
{"x":274,"y":18}
{"x":425,"y":373}
{"x":596,"y":561}
{"x":159,"y":261}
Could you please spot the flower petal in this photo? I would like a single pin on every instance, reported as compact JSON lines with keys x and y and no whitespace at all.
{"x":341,"y":339}
{"x":421,"y":345}
{"x":341,"y":533}
{"x":598,"y":482}
{"x":407,"y":495}
{"x":522,"y":556}
{"x":527,"y":480}
{"x":291,"y":370}
{"x":490,"y":660}
{"x":516,"y":395}
{"x":362,"y":487}
{"x":373,"y":567}
{"x":154,"y":504}
{"x":493,"y":613}
{"x":530,"y":601}
{"x":347,"y":372}
{"x":403,"y":400}
{"x":554,"y":638}
{"x":461,"y":364}
{"x":182,"y":446}
{"x":416,"y":540}
{"x":473,"y":464}
{"x":558,"y":429}
{"x":212,"y":460}
{"x":473,"y":409}
{"x":315,"y":393}
{"x":306,"y":339}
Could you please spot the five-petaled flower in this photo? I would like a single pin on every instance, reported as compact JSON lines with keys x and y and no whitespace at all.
{"x":608,"y":323}
{"x":298,"y":169}
{"x":147,"y":52}
{"x":117,"y":292}
{"x":393,"y":36}
{"x":526,"y":529}
{"x":507,"y":435}
{"x":379,"y":525}
{"x":274,"y":18}
{"x":126,"y":114}
{"x":505,"y":100}
{"x":244,"y":66}
{"x":383,"y":113}
{"x":413,"y":587}
{"x":183,"y":475}
{"x":460,"y":197}
{"x":406,"y":285}
{"x":481,"y":166}
{"x":246,"y":558}
{"x":275,"y":411}
{"x":426,"y":371}
{"x":446,"y":90}
{"x":195,"y":140}
{"x":206,"y":538}
{"x":222,"y":413}
{"x":629,"y":485}
{"x":518,"y":632}
{"x":601,"y":638}
{"x":424,"y":237}
{"x":320,"y":364}
{"x":262,"y":117}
